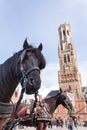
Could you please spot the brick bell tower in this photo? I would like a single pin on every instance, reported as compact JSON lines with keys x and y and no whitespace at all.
{"x":68,"y":75}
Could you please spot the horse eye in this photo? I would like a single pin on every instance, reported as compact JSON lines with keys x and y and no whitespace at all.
{"x":42,"y":65}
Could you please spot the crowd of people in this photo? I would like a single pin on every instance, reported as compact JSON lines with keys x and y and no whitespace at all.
{"x":70,"y":123}
{"x":59,"y":122}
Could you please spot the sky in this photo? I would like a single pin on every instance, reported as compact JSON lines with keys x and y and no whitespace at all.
{"x":39,"y":20}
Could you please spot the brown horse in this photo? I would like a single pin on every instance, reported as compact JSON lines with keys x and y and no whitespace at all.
{"x":43,"y":114}
{"x":52,"y":103}
{"x":23,"y":67}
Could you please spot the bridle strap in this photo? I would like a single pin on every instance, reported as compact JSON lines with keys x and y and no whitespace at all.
{"x":25,"y":73}
{"x":35,"y":103}
{"x":32,"y":69}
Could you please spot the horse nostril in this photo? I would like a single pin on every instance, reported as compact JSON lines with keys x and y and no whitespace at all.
{"x":34,"y":82}
{"x":31,"y":82}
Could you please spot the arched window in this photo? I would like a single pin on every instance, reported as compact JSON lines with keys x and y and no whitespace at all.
{"x":67,"y":32}
{"x":68,"y":58}
{"x":65,"y":59}
{"x":64,"y":32}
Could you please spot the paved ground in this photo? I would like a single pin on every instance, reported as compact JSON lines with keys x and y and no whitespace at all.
{"x":55,"y":128}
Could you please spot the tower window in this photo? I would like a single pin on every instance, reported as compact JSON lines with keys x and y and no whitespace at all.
{"x":61,"y":47}
{"x":64,"y":32}
{"x":65,"y":59}
{"x":67,"y":32}
{"x":68,"y":58}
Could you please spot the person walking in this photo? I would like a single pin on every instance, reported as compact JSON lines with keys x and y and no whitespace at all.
{"x":70,"y":123}
{"x":75,"y":123}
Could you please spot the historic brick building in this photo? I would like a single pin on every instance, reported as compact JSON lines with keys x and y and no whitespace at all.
{"x":68,"y":75}
{"x":69,"y":78}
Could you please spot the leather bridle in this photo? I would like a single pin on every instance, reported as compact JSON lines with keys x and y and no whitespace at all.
{"x":23,"y":72}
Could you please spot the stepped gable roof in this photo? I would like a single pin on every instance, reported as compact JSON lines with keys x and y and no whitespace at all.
{"x":52,"y":94}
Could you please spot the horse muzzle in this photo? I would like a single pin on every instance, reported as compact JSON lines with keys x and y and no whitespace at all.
{"x":33,"y":85}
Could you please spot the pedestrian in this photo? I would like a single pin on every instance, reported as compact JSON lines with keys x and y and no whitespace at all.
{"x":15,"y":127}
{"x":61,"y":122}
{"x":70,"y":123}
{"x":57,"y":123}
{"x":75,"y":123}
{"x":66,"y":123}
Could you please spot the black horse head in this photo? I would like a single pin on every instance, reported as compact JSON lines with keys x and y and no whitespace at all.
{"x":24,"y":67}
{"x":64,"y":100}
{"x":31,"y":62}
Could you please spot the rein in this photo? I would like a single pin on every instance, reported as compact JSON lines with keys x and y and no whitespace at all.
{"x":35,"y":103}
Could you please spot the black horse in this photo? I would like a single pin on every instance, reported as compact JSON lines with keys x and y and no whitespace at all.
{"x":51,"y":102}
{"x":23,"y":67}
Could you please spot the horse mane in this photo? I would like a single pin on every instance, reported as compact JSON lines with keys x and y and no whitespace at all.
{"x":6,"y":76}
{"x":52,"y":94}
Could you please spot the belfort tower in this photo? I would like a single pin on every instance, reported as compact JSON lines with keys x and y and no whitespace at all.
{"x":68,"y":75}
{"x":69,"y":78}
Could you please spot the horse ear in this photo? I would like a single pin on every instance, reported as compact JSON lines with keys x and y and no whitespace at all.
{"x":25,"y":45}
{"x":40,"y":47}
